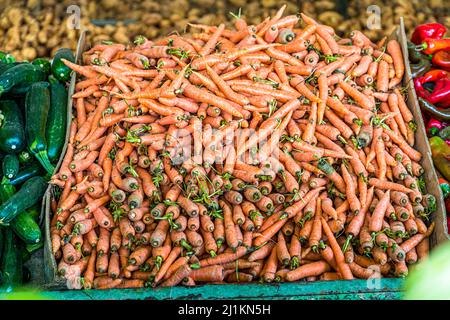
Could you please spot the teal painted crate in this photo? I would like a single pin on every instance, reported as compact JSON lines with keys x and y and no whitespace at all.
{"x":384,"y":289}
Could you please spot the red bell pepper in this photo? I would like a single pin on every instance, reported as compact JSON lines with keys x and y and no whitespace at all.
{"x":441,"y":92}
{"x":445,"y":103}
{"x":441,"y":59}
{"x":435,"y":74}
{"x":428,"y":30}
{"x":433,"y":127}
{"x":430,"y":46}
{"x":420,"y":90}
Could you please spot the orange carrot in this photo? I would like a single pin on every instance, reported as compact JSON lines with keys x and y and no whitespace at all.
{"x":310,"y":269}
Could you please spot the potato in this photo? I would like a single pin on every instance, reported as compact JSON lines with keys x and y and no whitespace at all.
{"x":42,"y":36}
{"x":29,"y":53}
{"x":15,"y":16}
{"x":121,"y":35}
{"x":53,"y":42}
{"x":269,"y":3}
{"x":41,"y":51}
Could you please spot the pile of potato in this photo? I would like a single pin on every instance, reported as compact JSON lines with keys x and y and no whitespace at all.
{"x":31,"y":28}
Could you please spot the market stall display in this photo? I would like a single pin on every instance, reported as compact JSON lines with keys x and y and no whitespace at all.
{"x":337,"y":185}
{"x":32,"y":113}
{"x":36,"y":28}
{"x":430,"y":56}
{"x":336,"y":189}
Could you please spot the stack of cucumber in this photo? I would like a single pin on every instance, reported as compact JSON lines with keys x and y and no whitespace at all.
{"x":33,"y":120}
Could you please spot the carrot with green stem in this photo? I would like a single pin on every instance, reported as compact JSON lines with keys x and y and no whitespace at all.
{"x":331,"y":149}
{"x":327,"y":254}
{"x":295,"y":248}
{"x":230,"y":230}
{"x":236,"y":54}
{"x":224,"y":257}
{"x":359,"y":97}
{"x":278,"y":15}
{"x":325,"y":166}
{"x":364,"y":116}
{"x":316,"y":231}
{"x":342,"y":266}
{"x":393,"y":105}
{"x":160,"y":233}
{"x":298,"y":82}
{"x":356,"y":163}
{"x":404,"y":110}
{"x":323,"y":96}
{"x":270,"y":267}
{"x":324,"y":46}
{"x":337,"y":122}
{"x":208,"y":274}
{"x":412,"y":242}
{"x":140,"y":255}
{"x":293,"y":209}
{"x":379,"y":149}
{"x":68,"y":202}
{"x":328,"y":69}
{"x":311,"y":269}
{"x":327,"y":208}
{"x":311,"y":126}
{"x":268,"y":233}
{"x":173,"y":255}
{"x":376,"y":221}
{"x":226,"y":89}
{"x":394,"y":50}
{"x":209,"y":46}
{"x":323,"y":32}
{"x":268,"y":126}
{"x":387,"y":185}
{"x":282,"y":251}
{"x":404,"y":146}
{"x":198,"y":94}
{"x":299,"y":42}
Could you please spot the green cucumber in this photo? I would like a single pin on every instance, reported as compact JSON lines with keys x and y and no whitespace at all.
{"x":25,"y":157}
{"x":43,"y":64}
{"x":10,"y":166}
{"x":24,"y":225}
{"x":32,"y":247}
{"x":3,"y":67}
{"x":32,"y":170}
{"x":11,"y":262}
{"x":26,"y":275}
{"x":55,"y":132}
{"x":26,"y":228}
{"x":59,"y":70}
{"x":1,"y":246}
{"x":12,"y":132}
{"x":37,"y":106}
{"x":6,"y":57}
{"x":34,"y":212}
{"x":25,"y":256}
{"x":29,"y":194}
{"x":6,"y":66}
{"x":20,"y":77}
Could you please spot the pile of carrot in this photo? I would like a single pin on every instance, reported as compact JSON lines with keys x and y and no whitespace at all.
{"x":266,"y":153}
